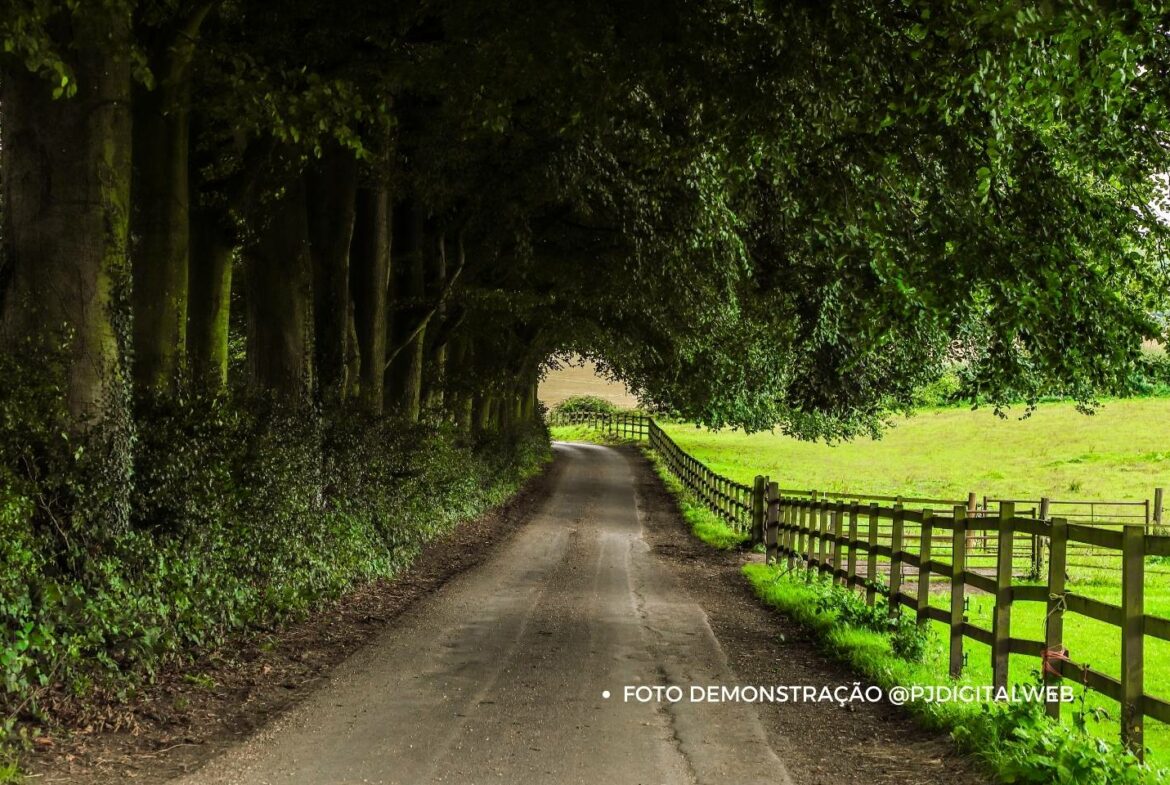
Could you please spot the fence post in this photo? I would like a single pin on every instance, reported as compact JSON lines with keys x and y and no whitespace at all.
{"x":1132,"y":637}
{"x":772,"y":525}
{"x":1158,"y":499}
{"x":925,"y":545}
{"x":838,"y":523}
{"x":797,"y":516}
{"x":851,"y":560}
{"x":896,"y":558}
{"x":823,"y":530}
{"x":758,"y":508}
{"x":790,"y":516}
{"x":1054,"y":618}
{"x":813,"y":537}
{"x":973,"y":512}
{"x":958,"y":585}
{"x":871,"y":556}
{"x":1001,"y":627}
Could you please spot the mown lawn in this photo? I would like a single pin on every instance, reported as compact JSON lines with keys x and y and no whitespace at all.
{"x":1120,"y":453}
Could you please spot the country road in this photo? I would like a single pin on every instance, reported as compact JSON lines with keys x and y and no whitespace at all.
{"x":499,"y":676}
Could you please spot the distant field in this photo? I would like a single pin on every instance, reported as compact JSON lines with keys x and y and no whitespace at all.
{"x":1120,"y":453}
{"x":568,"y":382}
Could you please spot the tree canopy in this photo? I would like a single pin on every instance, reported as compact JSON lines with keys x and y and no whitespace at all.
{"x":756,"y":213}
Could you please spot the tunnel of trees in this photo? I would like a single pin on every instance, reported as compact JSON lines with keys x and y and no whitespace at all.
{"x":279,"y":279}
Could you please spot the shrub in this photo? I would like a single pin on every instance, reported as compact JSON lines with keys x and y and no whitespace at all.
{"x":1153,"y":372}
{"x":584,"y":404}
{"x":948,"y":389}
{"x":243,"y":512}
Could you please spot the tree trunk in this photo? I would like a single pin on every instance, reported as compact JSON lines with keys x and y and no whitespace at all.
{"x":482,"y":414}
{"x":280,"y":300}
{"x":369,"y":282}
{"x":353,"y":358}
{"x":161,"y":221}
{"x":406,"y":371}
{"x":436,"y":356}
{"x":332,"y":192}
{"x":210,"y":294}
{"x":66,"y":167}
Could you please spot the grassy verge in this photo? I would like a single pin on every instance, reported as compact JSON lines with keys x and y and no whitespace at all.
{"x":704,"y":524}
{"x":1017,"y":742}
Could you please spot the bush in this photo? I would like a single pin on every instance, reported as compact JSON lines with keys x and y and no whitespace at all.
{"x":243,"y":512}
{"x":947,"y":390}
{"x":1153,"y":372}
{"x":584,"y":404}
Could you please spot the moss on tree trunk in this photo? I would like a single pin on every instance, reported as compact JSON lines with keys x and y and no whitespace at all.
{"x":67,"y":192}
{"x":209,"y":298}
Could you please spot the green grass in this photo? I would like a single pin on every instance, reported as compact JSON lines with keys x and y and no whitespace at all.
{"x":1014,"y":742}
{"x":704,"y":524}
{"x":1120,"y":453}
{"x":9,"y":771}
{"x":585,"y":433}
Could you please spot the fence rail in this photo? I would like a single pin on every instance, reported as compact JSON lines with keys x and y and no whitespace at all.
{"x":621,"y":425}
{"x":891,"y":547}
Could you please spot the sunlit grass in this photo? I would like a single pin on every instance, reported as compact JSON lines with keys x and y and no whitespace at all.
{"x":1122,"y":452}
{"x":704,"y":524}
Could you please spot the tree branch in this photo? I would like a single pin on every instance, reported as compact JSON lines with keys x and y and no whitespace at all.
{"x":434,"y":309}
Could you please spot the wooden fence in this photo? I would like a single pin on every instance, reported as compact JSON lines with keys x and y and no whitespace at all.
{"x":894,"y":549}
{"x":733,"y":502}
{"x":620,"y":425}
{"x":843,"y":541}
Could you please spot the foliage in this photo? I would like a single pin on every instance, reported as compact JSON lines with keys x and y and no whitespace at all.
{"x":946,"y":390}
{"x":1153,"y":372}
{"x":755,"y":213}
{"x":957,"y":385}
{"x":584,"y":404}
{"x":1017,"y":742}
{"x":245,"y":512}
{"x":907,"y":639}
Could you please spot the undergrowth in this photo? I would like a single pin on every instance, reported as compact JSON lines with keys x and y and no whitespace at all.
{"x":1018,"y":742}
{"x":242,"y":513}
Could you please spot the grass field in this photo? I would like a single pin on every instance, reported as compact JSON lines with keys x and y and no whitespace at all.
{"x":1120,"y":453}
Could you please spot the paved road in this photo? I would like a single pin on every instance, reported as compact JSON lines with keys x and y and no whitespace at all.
{"x":498,"y":677}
